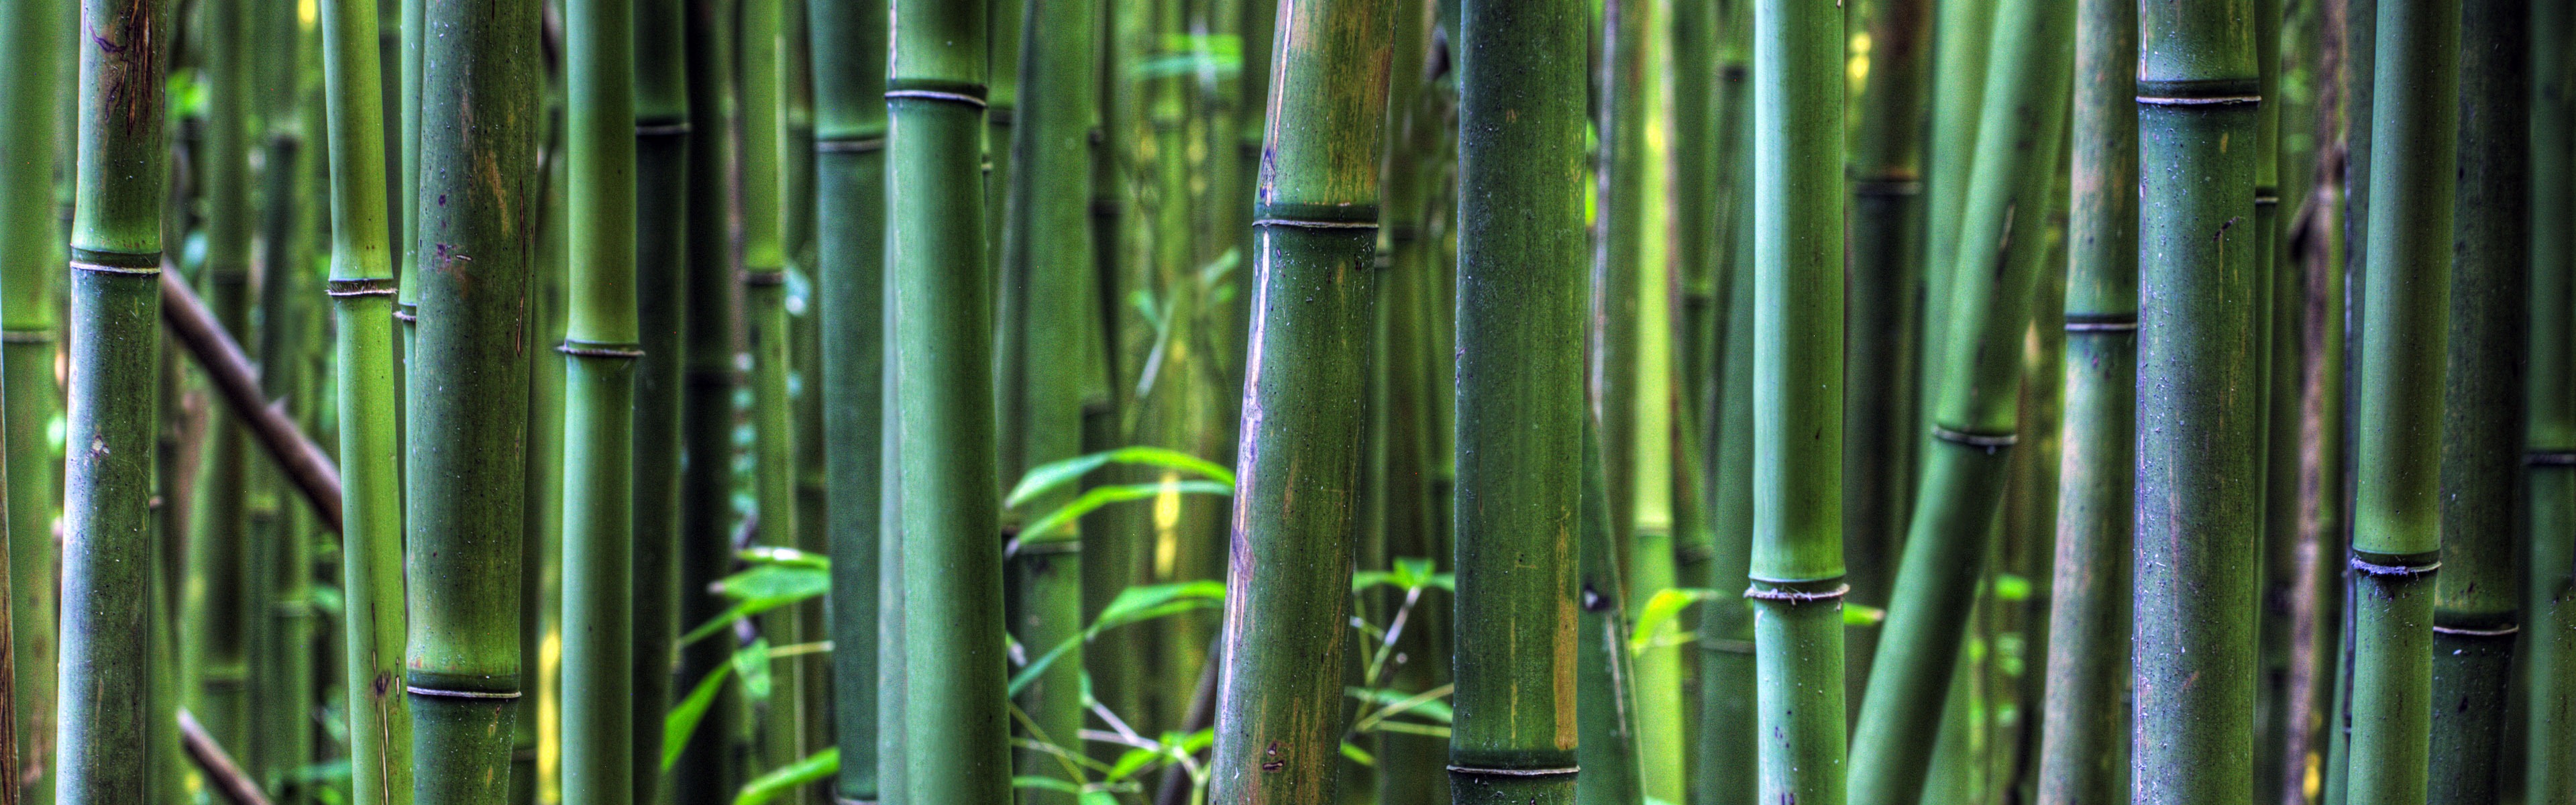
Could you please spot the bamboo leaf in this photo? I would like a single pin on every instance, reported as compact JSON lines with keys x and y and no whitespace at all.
{"x":1133,"y":605}
{"x":1036,"y":781}
{"x":789,"y":557}
{"x":1051,"y":475}
{"x":767,"y":581}
{"x":736,"y":612}
{"x":1399,"y":702}
{"x":683,"y":720}
{"x":1131,"y":762}
{"x":1358,"y":755}
{"x":813,"y":768}
{"x":1660,"y":609}
{"x":752,"y":663}
{"x":1056,"y":521}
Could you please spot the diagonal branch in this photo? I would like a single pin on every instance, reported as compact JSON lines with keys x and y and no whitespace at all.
{"x":210,"y":756}
{"x":304,"y":463}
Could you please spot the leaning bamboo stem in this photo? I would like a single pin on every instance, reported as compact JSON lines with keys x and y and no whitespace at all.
{"x":1519,"y":399}
{"x":107,"y":675}
{"x":1279,"y":702}
{"x":2397,"y":520}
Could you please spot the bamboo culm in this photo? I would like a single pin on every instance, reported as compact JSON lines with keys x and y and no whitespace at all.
{"x":31,"y":256}
{"x":662,"y":142}
{"x":2549,"y":435}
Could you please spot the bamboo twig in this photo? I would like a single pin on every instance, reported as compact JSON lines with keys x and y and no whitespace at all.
{"x":218,"y":765}
{"x":303,"y":461}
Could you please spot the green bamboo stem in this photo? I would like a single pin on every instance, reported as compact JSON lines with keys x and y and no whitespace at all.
{"x":279,"y":569}
{"x":362,"y":293}
{"x":1797,"y":566}
{"x":849,"y":163}
{"x":661,"y":198}
{"x":1606,"y":703}
{"x":1975,"y":421}
{"x":409,"y":70}
{"x":2549,"y":435}
{"x":1114,"y":556}
{"x":1962,"y":32}
{"x":1519,"y":400}
{"x":2281,"y":298}
{"x":2082,"y":743}
{"x":956,"y":730}
{"x":601,"y":353}
{"x":1724,"y":765}
{"x":712,"y":295}
{"x":2397,"y":523}
{"x":764,"y":299}
{"x":542,"y":481}
{"x":2360,"y":42}
{"x":1298,"y":490}
{"x":215,"y":634}
{"x":107,"y":679}
{"x":1621,"y":86}
{"x":1886,"y":167}
{"x":1046,"y":258}
{"x":2199,"y":347}
{"x":2477,"y":598}
{"x":31,"y":112}
{"x":464,"y":512}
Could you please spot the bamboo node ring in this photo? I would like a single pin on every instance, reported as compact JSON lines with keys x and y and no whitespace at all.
{"x":26,"y":336}
{"x":860,"y":145}
{"x":1990,"y":441}
{"x":661,"y":129}
{"x":461,"y":694}
{"x":1309,"y":223}
{"x":363,"y":286}
{"x":2550,"y":458}
{"x":1493,"y":772}
{"x":2370,"y":568}
{"x":102,"y":268}
{"x":936,"y":95}
{"x":2468,"y":632}
{"x":1757,"y":593}
{"x":598,"y":349}
{"x":2213,"y":100}
{"x":1887,"y":187}
{"x":764,"y":276}
{"x":2102,"y":324}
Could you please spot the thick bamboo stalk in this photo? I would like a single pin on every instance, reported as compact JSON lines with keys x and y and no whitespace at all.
{"x":2549,"y":436}
{"x":1621,"y":86}
{"x":2083,"y":743}
{"x":849,"y":163}
{"x":361,"y":289}
{"x":956,"y":731}
{"x":468,"y":412}
{"x":1046,"y":257}
{"x":662,"y":145}
{"x":1279,"y":701}
{"x":1519,"y":400}
{"x":32,"y":86}
{"x":2199,"y":351}
{"x":1797,"y":566}
{"x":709,"y":312}
{"x":601,"y":353}
{"x":106,"y":675}
{"x":1975,"y":419}
{"x":2477,"y":599}
{"x":2397,"y":532}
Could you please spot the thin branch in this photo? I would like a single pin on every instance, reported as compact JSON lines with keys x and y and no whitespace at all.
{"x":221,"y":357}
{"x":211,"y":759}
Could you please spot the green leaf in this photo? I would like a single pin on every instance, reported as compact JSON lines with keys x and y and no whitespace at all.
{"x":1398,"y":702}
{"x":1035,"y":781}
{"x":1131,"y":762}
{"x":752,"y":663}
{"x":1862,"y":615}
{"x":1133,"y":605}
{"x":683,"y":720}
{"x":1098,"y":496}
{"x":1051,"y":475}
{"x":2010,"y":587}
{"x":1413,"y":573}
{"x":734,"y":613}
{"x":1358,"y":755}
{"x":1097,"y":798}
{"x":1365,"y":579}
{"x":792,"y":581}
{"x":1660,"y":609}
{"x":789,"y":557}
{"x":813,"y":768}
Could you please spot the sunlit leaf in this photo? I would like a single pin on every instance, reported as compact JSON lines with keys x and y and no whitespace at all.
{"x":683,"y":720}
{"x":1056,"y":474}
{"x":751,"y":662}
{"x":1660,"y":609}
{"x":783,"y":780}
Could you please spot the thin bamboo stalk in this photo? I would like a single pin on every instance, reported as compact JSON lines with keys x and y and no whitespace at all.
{"x":1046,"y":257}
{"x":467,"y":424}
{"x":2397,"y":520}
{"x":709,"y":314}
{"x":1604,"y":674}
{"x":1797,"y":566}
{"x":956,"y":730}
{"x":2549,"y":435}
{"x":107,"y":679}
{"x":31,"y":113}
{"x":362,"y":293}
{"x":2083,"y":744}
{"x":1724,"y":764}
{"x":2477,"y":599}
{"x":2360,"y":42}
{"x":1519,"y":400}
{"x":849,"y":162}
{"x":762,"y":119}
{"x":1298,"y":490}
{"x":663,"y":141}
{"x":2198,"y":505}
{"x":280,"y":566}
{"x":2280,"y":298}
{"x":216,"y":618}
{"x":601,"y":353}
{"x":1975,"y":419}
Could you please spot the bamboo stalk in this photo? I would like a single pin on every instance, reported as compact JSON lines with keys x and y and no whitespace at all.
{"x":1298,"y":491}
{"x":1519,"y":400}
{"x":1046,"y":257}
{"x":1724,"y":764}
{"x":2477,"y":598}
{"x":215,"y":612}
{"x":1975,"y":419}
{"x":956,"y":731}
{"x":849,"y":161}
{"x":107,"y":676}
{"x":1797,"y":566}
{"x":1604,"y":674}
{"x":2549,"y":435}
{"x":2360,"y":41}
{"x":663,"y":141}
{"x":2280,"y":297}
{"x":468,"y":422}
{"x":762,"y":111}
{"x":2198,"y":513}
{"x":361,"y":290}
{"x":280,"y":568}
{"x":2397,"y":527}
{"x":1962,"y":32}
{"x":601,"y":353}
{"x":218,"y":766}
{"x":31,"y":113}
{"x":2083,"y":744}
{"x":195,"y":329}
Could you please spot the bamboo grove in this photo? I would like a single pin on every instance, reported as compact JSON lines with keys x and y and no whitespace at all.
{"x":1295,"y":402}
